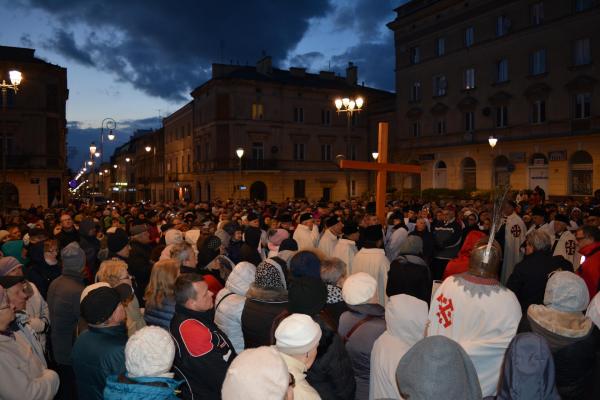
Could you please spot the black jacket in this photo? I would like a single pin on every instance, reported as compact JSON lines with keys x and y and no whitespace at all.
{"x":203,"y":354}
{"x":446,"y":238}
{"x":260,"y":310}
{"x":64,"y":238}
{"x":140,"y":266}
{"x":427,"y":239}
{"x":90,"y":246}
{"x":528,"y":280}
{"x":39,"y":272}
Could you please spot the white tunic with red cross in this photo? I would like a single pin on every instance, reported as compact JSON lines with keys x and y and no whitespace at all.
{"x":564,"y":244}
{"x":482,"y":316}
{"x":514,"y":236}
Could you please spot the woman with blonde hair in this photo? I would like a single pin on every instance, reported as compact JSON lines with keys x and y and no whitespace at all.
{"x":160,"y":294}
{"x":114,"y":272}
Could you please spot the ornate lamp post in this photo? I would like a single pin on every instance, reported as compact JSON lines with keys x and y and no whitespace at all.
{"x":348,"y":106}
{"x":15,"y":80}
{"x":240,"y":153}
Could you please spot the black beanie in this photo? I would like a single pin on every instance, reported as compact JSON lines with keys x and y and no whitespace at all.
{"x":288,"y":244}
{"x":307,"y":296}
{"x":117,"y":241}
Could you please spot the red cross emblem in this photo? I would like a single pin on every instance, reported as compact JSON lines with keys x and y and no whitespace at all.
{"x":515,"y":230}
{"x":570,"y":247}
{"x":445,"y":310}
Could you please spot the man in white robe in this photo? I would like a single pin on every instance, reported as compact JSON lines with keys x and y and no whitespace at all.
{"x":564,"y":242}
{"x":476,"y":311}
{"x":538,"y":217}
{"x":514,"y":236}
{"x":345,"y":248}
{"x":304,"y":235}
{"x":372,"y":260}
{"x":329,"y":238}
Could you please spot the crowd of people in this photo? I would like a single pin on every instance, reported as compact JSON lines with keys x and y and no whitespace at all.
{"x":455,"y":299}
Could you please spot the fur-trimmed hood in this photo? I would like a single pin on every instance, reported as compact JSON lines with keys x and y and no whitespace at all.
{"x":257,"y":293}
{"x":572,"y":325}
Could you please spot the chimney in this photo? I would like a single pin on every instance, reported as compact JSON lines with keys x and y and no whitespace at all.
{"x":351,"y":73}
{"x":297,"y":72}
{"x":264,"y":65}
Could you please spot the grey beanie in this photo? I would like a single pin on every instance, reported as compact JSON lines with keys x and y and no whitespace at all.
{"x":411,"y":245}
{"x":73,"y":258}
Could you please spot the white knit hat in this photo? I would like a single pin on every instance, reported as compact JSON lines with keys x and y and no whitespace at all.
{"x":359,"y":288}
{"x":256,"y":374}
{"x":297,"y":334}
{"x":566,"y":291}
{"x":173,"y":236}
{"x":149,"y":352}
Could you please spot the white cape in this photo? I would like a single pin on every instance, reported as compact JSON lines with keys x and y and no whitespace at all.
{"x":514,"y":236}
{"x":345,"y":250}
{"x":567,"y":247}
{"x":327,"y":243}
{"x":375,"y":263}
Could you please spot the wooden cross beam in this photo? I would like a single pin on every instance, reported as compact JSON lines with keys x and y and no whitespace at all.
{"x":382,"y":167}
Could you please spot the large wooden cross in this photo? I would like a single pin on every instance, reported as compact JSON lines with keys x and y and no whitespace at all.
{"x":382,"y":167}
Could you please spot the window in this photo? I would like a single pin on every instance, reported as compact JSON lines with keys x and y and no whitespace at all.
{"x":440,"y":46}
{"x":326,"y":152}
{"x":439,"y":85}
{"x":189,"y":132}
{"x":469,"y":78}
{"x":189,"y":163}
{"x":257,"y":111}
{"x":501,"y":117}
{"x":168,"y":165}
{"x":415,"y":91}
{"x":538,"y":62}
{"x":440,"y":126}
{"x":352,"y":149}
{"x":298,"y":114}
{"x":206,"y":151}
{"x":197,"y":156}
{"x":502,"y":25}
{"x":582,"y":5}
{"x":581,"y":52}
{"x":258,"y":151}
{"x":298,"y":151}
{"x":538,"y":112}
{"x":416,"y":128}
{"x":537,"y":13}
{"x":582,"y":105}
{"x":469,"y":36}
{"x":415,"y":55}
{"x":502,"y":70}
{"x":469,"y":121}
{"x":299,"y":188}
{"x":326,"y":117}
{"x":352,"y":188}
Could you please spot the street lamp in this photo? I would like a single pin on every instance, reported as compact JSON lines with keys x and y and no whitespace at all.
{"x":492,"y":141}
{"x":148,"y":148}
{"x":92,"y":148}
{"x":349,"y":106}
{"x":240,"y":153}
{"x":127,"y":159}
{"x":90,"y":162}
{"x":15,"y":78}
{"x":375,"y":155}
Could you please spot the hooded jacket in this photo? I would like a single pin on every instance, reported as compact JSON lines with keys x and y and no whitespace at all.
{"x":460,"y":264}
{"x":229,"y":303}
{"x":147,"y":388}
{"x":160,"y":316}
{"x":406,"y":318}
{"x":528,"y":370}
{"x":139,"y":266}
{"x":261,"y":307}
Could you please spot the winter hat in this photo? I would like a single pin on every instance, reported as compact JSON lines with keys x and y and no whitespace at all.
{"x":231,"y":228}
{"x":99,"y":304}
{"x":269,"y":275}
{"x":8,"y":264}
{"x":359,"y":288}
{"x":278,"y":236}
{"x":245,"y":381}
{"x":288,"y":244}
{"x":307,"y":295}
{"x":86,"y":225}
{"x":117,"y":241}
{"x":411,"y":245}
{"x":373,"y":233}
{"x":209,"y":250}
{"x":191,"y":237}
{"x":562,"y":218}
{"x":331,"y":221}
{"x":149,"y":353}
{"x":73,"y":258}
{"x":539,"y":211}
{"x":212,"y":243}
{"x":349,"y":229}
{"x":428,"y":361}
{"x":252,"y":236}
{"x":305,"y":263}
{"x":138,"y":229}
{"x":91,"y":287}
{"x":297,"y":334}
{"x":566,"y":291}
{"x":173,"y":236}
{"x":305,"y":217}
{"x":285,"y":218}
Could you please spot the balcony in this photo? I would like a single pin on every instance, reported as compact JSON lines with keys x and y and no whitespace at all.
{"x":260,"y":165}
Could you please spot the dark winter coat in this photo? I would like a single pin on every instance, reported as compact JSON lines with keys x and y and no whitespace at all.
{"x":260,"y":309}
{"x":140,"y":266}
{"x":427,"y":239}
{"x":203,"y":354}
{"x":160,"y":316}
{"x":90,"y":246}
{"x":447,"y":240}
{"x":409,"y":275}
{"x":64,"y":237}
{"x":39,"y":272}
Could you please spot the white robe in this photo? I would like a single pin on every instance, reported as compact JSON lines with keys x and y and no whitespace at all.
{"x":375,"y":263}
{"x":482,"y":318}
{"x":514,"y":236}
{"x":345,"y":250}
{"x":327,"y":243}
{"x":305,"y":238}
{"x":396,"y":239}
{"x":566,"y":246}
{"x":544,"y":227}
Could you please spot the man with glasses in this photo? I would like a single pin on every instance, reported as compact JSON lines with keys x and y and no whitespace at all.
{"x":588,"y":245}
{"x":66,"y":232}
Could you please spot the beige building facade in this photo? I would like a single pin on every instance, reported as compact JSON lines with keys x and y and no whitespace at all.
{"x":523,"y":72}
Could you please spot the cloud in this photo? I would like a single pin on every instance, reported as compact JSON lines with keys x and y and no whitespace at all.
{"x":25,"y":40}
{"x":165,"y":48}
{"x":306,"y":59}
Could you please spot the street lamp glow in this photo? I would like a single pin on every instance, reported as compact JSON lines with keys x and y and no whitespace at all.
{"x":100,"y":173}
{"x":492,"y":141}
{"x":359,"y":102}
{"x":375,"y":155}
{"x":127,"y":159}
{"x":106,"y":171}
{"x":239,"y":152}
{"x":97,"y":154}
{"x":89,"y":162}
{"x":338,"y":103}
{"x":111,"y":135}
{"x":15,"y":77}
{"x":115,"y":166}
{"x":92,"y":148}
{"x":345,"y":101}
{"x":148,"y":148}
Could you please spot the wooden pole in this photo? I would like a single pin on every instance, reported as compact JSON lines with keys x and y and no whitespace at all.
{"x":382,"y":149}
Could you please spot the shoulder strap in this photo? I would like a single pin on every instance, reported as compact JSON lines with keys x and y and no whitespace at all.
{"x":358,"y":325}
{"x":222,"y":298}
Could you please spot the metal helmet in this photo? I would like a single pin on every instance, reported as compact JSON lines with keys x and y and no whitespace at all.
{"x":482,"y":266}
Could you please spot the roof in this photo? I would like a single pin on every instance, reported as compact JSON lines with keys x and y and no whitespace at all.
{"x":22,"y":54}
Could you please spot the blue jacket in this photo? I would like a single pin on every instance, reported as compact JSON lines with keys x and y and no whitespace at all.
{"x":153,"y":388}
{"x":160,"y":316}
{"x":98,"y":353}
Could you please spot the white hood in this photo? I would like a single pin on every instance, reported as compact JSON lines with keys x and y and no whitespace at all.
{"x":241,"y":278}
{"x":406,"y":318}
